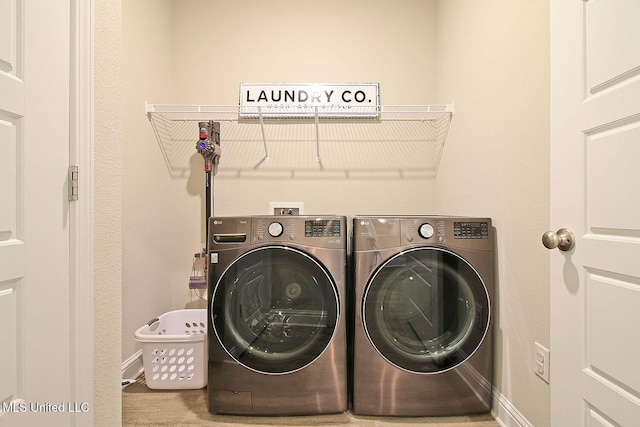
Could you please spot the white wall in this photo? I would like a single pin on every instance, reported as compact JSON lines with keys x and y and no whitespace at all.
{"x":160,"y":218}
{"x":493,"y":60}
{"x":108,"y":213}
{"x":217,"y":45}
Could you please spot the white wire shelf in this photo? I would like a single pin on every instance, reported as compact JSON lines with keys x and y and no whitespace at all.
{"x":400,"y":140}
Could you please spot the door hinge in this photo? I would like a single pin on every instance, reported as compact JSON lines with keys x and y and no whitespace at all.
{"x":73,"y":183}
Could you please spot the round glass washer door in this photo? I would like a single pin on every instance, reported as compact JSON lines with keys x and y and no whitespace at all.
{"x":275,"y":309}
{"x":426,"y":310}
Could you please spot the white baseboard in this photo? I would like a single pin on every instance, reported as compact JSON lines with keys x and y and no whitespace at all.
{"x":506,"y":414}
{"x":132,"y":368}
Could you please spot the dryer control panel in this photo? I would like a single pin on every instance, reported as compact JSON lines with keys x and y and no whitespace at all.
{"x":378,"y":232}
{"x":470,"y":230}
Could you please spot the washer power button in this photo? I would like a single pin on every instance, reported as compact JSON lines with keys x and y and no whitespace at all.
{"x":426,"y":230}
{"x":275,"y":229}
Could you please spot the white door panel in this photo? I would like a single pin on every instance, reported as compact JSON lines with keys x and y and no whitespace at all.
{"x":615,"y":253}
{"x":8,"y":338}
{"x":611,"y":50}
{"x":12,"y":99}
{"x":35,"y":342}
{"x":8,"y":35}
{"x":595,"y":147}
{"x":612,"y":163}
{"x":8,"y":181}
{"x":612,"y":301}
{"x":12,"y":259}
{"x":613,"y":107}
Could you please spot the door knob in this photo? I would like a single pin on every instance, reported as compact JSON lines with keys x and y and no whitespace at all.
{"x":562,"y":239}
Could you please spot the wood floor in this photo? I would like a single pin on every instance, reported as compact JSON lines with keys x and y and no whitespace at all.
{"x":142,"y":406}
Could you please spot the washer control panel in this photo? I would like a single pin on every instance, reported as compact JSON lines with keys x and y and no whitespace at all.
{"x":319,"y":231}
{"x":322,"y":228}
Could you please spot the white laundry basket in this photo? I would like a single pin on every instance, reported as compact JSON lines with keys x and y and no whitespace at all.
{"x":174,"y":350}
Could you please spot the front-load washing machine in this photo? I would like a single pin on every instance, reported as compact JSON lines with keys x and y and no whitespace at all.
{"x":422,"y":333}
{"x":277,"y":329}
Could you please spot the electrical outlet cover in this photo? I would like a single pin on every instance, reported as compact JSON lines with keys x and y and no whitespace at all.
{"x":541,"y":362}
{"x":286,"y":208}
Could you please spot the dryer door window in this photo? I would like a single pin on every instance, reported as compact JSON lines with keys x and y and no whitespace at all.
{"x":426,"y":310}
{"x":275,"y":309}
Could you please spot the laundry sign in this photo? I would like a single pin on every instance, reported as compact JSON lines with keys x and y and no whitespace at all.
{"x":306,"y":100}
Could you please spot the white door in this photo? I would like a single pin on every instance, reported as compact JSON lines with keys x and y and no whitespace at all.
{"x":36,"y":378}
{"x":595,"y":174}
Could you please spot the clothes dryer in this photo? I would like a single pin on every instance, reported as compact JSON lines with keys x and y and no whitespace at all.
{"x":277,"y":330}
{"x":422,"y":332}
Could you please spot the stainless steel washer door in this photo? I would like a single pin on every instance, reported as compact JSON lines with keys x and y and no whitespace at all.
{"x":275,"y":309}
{"x":425,"y":310}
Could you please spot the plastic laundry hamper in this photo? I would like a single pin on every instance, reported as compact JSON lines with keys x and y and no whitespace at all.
{"x":174,"y":350}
